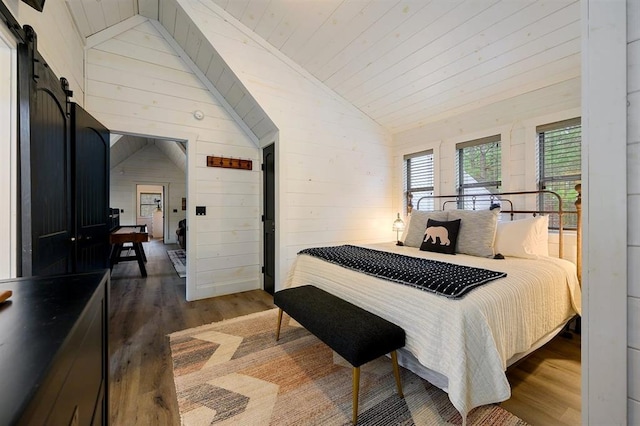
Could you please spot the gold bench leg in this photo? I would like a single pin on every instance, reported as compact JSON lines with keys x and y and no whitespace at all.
{"x":356,"y":390}
{"x":396,"y":372}
{"x":279,"y":323}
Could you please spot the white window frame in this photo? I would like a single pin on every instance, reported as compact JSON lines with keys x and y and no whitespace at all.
{"x":406,"y":179}
{"x":459,"y":149}
{"x":154,"y":204}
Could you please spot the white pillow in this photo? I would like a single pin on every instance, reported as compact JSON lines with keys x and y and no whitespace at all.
{"x":526,"y":238}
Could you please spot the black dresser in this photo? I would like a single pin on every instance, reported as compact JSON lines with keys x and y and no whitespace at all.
{"x":54,"y":350}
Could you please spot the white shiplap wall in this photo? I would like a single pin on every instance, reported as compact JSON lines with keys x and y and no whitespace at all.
{"x":633,"y":188}
{"x":229,"y":88}
{"x":176,"y":151}
{"x":125,"y":147}
{"x":514,"y":119}
{"x":333,"y":162}
{"x":149,"y":165}
{"x":58,"y":40}
{"x":137,"y":83}
{"x":93,"y":16}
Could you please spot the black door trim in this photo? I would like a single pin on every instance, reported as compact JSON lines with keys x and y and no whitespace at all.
{"x":269,"y":218}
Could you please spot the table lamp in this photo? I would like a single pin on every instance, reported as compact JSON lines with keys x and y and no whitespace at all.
{"x":398,"y":225}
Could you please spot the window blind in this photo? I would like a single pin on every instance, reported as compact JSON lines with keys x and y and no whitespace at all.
{"x":419,"y":179}
{"x":559,"y":166}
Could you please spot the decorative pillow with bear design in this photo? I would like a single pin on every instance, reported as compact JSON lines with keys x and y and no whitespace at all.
{"x":441,"y":237}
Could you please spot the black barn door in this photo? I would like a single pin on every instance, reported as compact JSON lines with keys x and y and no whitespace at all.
{"x":269,"y":217}
{"x":45,"y":169}
{"x":63,"y":174}
{"x":90,"y":147}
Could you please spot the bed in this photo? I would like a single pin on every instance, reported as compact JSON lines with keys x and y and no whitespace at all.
{"x":464,"y":345}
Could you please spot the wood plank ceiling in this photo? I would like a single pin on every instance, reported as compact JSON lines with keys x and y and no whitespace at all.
{"x":406,"y":63}
{"x":128,"y":145}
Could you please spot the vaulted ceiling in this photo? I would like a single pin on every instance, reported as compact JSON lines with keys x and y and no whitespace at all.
{"x":123,"y":147}
{"x":404,"y":63}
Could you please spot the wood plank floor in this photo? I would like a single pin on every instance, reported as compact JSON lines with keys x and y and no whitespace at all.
{"x":546,"y":385}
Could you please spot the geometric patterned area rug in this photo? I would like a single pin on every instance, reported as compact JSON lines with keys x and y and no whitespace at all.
{"x":234,"y":372}
{"x":179,"y":260}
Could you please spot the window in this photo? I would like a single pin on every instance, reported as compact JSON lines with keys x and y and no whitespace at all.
{"x":559,"y":167}
{"x":479,"y":165}
{"x":149,"y":202}
{"x":418,"y":174}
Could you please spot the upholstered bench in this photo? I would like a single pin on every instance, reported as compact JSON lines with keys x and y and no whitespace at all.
{"x":355,"y":334}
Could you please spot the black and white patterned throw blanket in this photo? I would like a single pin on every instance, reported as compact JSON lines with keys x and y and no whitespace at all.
{"x":446,"y":279}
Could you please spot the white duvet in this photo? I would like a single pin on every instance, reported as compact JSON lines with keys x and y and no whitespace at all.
{"x":469,"y":340}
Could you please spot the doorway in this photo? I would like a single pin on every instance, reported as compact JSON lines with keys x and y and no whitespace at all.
{"x":8,"y":84}
{"x":150,"y":209}
{"x":149,"y":186}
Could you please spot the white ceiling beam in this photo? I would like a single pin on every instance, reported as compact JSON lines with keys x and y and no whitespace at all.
{"x":111,"y":32}
{"x":207,"y":83}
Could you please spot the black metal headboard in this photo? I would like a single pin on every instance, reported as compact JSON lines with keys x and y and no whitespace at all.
{"x":503,"y":200}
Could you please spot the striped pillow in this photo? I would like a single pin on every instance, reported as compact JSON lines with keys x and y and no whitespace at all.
{"x":477,"y":231}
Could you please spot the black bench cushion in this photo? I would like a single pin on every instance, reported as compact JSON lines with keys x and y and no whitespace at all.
{"x":357,"y":335}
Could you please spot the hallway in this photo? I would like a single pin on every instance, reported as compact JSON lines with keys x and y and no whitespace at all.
{"x":142,"y":312}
